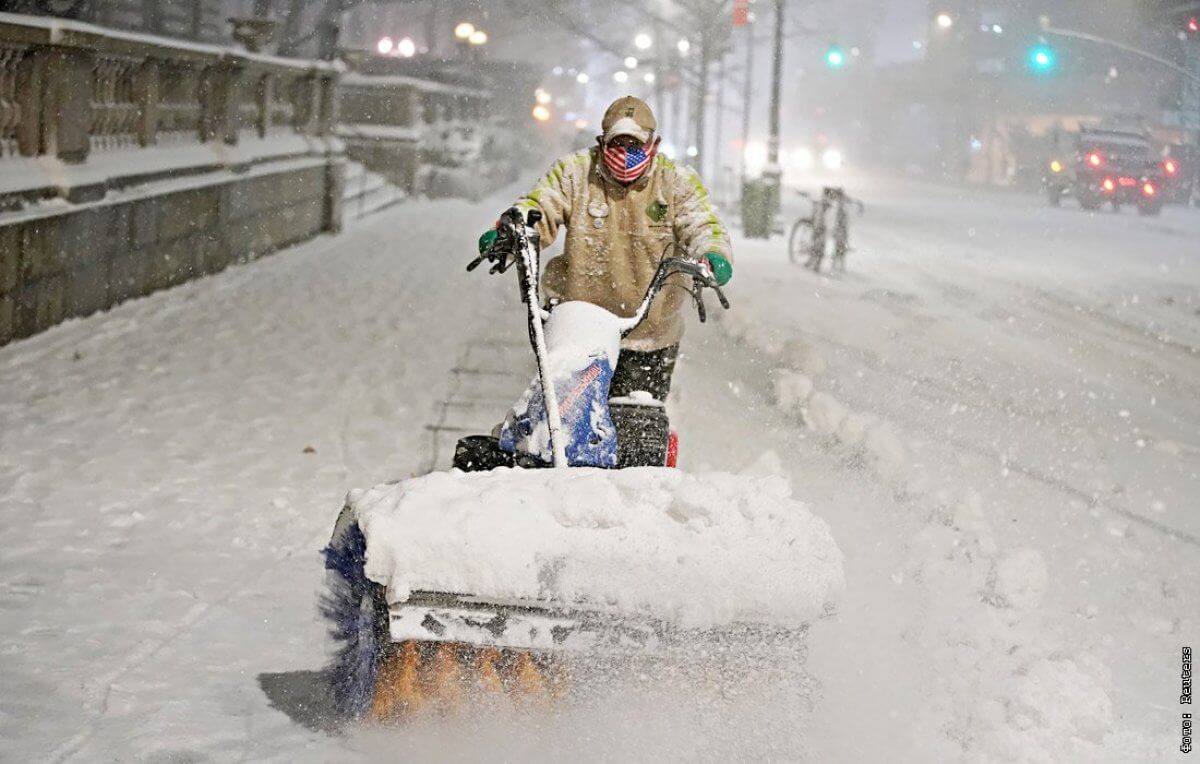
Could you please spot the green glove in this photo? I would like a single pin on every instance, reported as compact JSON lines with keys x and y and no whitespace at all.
{"x":488,"y":239}
{"x":722,"y":269}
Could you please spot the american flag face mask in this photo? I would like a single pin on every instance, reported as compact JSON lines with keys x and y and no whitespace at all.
{"x":627,"y":165}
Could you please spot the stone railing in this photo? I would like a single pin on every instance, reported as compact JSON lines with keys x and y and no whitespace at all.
{"x":131,"y":163}
{"x":77,"y":92}
{"x":408,"y":102}
{"x":424,"y":136}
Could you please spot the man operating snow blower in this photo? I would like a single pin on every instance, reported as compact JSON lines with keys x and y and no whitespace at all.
{"x":624,"y":206}
{"x":569,"y":533}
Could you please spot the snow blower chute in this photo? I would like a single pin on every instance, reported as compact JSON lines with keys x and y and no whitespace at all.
{"x":566,"y":533}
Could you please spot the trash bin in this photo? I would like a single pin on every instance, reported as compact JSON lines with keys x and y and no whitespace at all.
{"x":758,"y":208}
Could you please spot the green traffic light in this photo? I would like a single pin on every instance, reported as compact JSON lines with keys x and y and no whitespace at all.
{"x":835,"y":58}
{"x":1041,"y":58}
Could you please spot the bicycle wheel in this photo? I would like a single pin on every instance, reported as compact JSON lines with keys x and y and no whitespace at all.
{"x":796,"y":253}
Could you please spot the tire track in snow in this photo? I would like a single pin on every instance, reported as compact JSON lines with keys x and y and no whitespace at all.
{"x":469,"y":369}
{"x":103,"y":685}
{"x":996,"y":456}
{"x":1055,"y":308}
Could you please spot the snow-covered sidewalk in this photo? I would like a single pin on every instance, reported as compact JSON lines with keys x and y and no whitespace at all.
{"x":170,"y":469}
{"x":995,"y":410}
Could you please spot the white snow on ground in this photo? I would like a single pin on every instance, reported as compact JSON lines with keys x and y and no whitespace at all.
{"x":1022,"y":385}
{"x":696,"y":550}
{"x":170,"y":470}
{"x":1004,"y":445}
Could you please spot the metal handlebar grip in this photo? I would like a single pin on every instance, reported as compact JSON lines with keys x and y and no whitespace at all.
{"x":721,"y":297}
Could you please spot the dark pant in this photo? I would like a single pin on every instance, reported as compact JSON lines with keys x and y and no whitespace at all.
{"x":650,"y":371}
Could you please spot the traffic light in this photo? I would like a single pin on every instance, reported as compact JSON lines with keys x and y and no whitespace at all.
{"x":835,"y":58}
{"x":1042,"y":58}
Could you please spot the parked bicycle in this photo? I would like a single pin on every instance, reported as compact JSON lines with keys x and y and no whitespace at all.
{"x":813,"y":248}
{"x":808,"y":248}
{"x":841,"y":228}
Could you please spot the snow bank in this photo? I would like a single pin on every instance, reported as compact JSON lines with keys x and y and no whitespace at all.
{"x":696,"y":550}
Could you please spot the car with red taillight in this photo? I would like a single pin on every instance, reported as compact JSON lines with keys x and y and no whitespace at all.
{"x":1112,"y":167}
{"x":1180,"y":166}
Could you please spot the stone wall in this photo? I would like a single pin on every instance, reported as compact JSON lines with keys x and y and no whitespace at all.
{"x":131,"y":165}
{"x":95,"y":255}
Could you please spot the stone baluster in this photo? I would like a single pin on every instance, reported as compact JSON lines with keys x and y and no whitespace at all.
{"x":27,"y":95}
{"x":260,"y":118}
{"x":69,"y":78}
{"x":327,"y":110}
{"x":146,"y":95}
{"x":306,"y":104}
{"x":222,"y":93}
{"x":11,"y":112}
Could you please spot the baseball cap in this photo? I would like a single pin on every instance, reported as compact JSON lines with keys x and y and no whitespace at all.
{"x":629,"y":115}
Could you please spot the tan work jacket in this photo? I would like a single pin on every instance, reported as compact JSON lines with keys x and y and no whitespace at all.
{"x":616,"y":235}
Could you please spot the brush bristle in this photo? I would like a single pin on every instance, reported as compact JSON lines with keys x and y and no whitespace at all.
{"x":351,"y":626}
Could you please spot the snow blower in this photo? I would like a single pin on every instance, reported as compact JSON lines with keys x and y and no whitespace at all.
{"x":567,"y":532}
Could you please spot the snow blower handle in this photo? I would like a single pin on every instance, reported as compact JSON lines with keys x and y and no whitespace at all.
{"x":702,"y":277}
{"x":511,"y":232}
{"x":519,"y":241}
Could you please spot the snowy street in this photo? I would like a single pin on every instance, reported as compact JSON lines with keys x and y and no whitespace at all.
{"x":1030,"y":377}
{"x":997,"y":410}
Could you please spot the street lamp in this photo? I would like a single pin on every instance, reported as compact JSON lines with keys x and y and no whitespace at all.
{"x":643,"y":41}
{"x":683,"y":46}
{"x":648,"y":77}
{"x":631,"y":62}
{"x":464,"y":30}
{"x":478,"y":37}
{"x":945,"y":20}
{"x":621,"y":76}
{"x":541,"y":113}
{"x":581,"y":78}
{"x":541,"y":95}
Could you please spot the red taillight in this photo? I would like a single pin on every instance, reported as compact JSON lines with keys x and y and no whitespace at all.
{"x":1094,"y":159}
{"x":1170,"y":167}
{"x":1149,"y":189}
{"x":673,"y":449}
{"x":1126,"y":182}
{"x":1109,"y":185}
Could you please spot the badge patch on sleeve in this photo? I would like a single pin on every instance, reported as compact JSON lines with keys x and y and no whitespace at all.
{"x":657,"y":211}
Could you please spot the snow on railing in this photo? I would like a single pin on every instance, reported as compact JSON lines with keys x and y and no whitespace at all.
{"x":69,"y":90}
{"x":415,"y":131}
